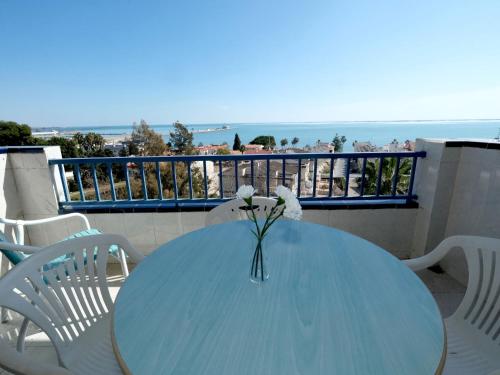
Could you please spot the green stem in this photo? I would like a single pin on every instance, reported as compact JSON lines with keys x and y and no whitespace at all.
{"x":268,"y":224}
{"x":261,"y":263}
{"x":254,"y":219}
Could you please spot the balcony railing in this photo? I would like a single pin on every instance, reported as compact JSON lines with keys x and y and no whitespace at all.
{"x":207,"y":180}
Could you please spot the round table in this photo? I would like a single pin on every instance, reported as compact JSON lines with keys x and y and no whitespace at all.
{"x":334,"y":304}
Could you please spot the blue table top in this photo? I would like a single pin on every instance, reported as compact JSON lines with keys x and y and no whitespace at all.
{"x":334,"y":304}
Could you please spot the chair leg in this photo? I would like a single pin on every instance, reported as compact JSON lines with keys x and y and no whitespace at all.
{"x":4,"y":269}
{"x":21,"y":339}
{"x":123,"y":262}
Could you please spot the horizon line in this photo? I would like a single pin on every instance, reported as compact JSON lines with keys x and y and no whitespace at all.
{"x":281,"y":122}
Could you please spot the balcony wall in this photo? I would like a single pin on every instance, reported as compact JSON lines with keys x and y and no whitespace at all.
{"x":10,"y":206}
{"x":475,"y":202}
{"x":457,"y":186}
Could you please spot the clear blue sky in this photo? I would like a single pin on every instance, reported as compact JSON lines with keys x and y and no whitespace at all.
{"x":114,"y":62}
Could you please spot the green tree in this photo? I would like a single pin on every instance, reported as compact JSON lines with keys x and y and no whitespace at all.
{"x":167,"y":184}
{"x":124,"y":151}
{"x":267,"y":141}
{"x":153,"y":145}
{"x":90,"y":144}
{"x":68,"y":147}
{"x":295,"y":141}
{"x":181,"y":139}
{"x":284,"y":142}
{"x":223,"y":151}
{"x":388,"y":176}
{"x":237,"y":143}
{"x":14,"y":134}
{"x":145,"y":138}
{"x":133,"y":149}
{"x":338,"y":142}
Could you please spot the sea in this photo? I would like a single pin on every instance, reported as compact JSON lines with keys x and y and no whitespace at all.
{"x":377,"y":132}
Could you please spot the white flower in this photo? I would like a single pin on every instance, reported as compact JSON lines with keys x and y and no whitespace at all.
{"x":293,"y":209}
{"x":283,"y":192}
{"x":245,"y":191}
{"x":295,"y":214}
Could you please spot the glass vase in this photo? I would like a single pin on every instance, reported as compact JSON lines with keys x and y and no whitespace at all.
{"x":258,"y":271}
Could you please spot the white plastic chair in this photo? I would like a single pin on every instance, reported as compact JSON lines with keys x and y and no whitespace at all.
{"x":473,"y":331}
{"x":234,"y":210}
{"x":70,"y":303}
{"x":19,"y":233}
{"x":17,"y":252}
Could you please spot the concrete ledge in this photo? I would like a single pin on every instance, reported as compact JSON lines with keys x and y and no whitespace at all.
{"x":474,"y":144}
{"x":21,"y":149}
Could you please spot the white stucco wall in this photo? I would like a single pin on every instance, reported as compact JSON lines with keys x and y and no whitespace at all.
{"x":10,"y":205}
{"x":433,"y":181}
{"x":147,"y":231}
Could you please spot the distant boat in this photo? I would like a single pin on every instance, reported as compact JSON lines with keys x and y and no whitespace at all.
{"x":211,"y":130}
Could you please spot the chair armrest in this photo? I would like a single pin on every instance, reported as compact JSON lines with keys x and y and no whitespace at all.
{"x":437,"y":254}
{"x":15,"y":247}
{"x":18,"y":363}
{"x":47,"y":220}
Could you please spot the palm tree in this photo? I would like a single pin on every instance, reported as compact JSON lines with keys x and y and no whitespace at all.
{"x":388,"y":176}
{"x":284,"y":142}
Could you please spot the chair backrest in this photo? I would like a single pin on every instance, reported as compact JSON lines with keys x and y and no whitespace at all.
{"x":235,"y":210}
{"x":479,"y":310}
{"x":67,"y":300}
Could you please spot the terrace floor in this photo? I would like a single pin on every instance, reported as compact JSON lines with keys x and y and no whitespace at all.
{"x":447,"y":292}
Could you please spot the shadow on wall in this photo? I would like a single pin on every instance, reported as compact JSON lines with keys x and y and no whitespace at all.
{"x":10,"y":207}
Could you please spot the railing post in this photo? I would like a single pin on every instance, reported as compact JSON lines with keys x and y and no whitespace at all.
{"x":283,"y":172}
{"x":315,"y":176}
{"x":412,"y":180}
{"x":79,"y":182}
{"x":252,"y":182}
{"x":190,"y":180}
{"x":268,"y":164}
{"x":396,"y":175}
{"x":347,"y":176}
{"x":96,"y":184}
{"x":143,"y":183}
{"x":205,"y":178}
{"x":158,"y":180}
{"x":379,"y":178}
{"x":363,"y":174}
{"x":111,"y":181}
{"x":221,"y":188}
{"x":64,"y":183}
{"x":330,"y":177}
{"x":236,"y":182}
{"x":299,"y":177}
{"x":127,"y":181}
{"x":174,"y":181}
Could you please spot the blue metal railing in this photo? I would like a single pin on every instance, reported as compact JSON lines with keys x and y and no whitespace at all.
{"x":375,"y":177}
